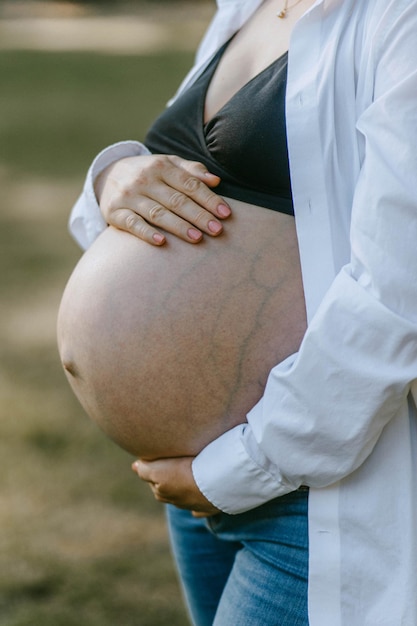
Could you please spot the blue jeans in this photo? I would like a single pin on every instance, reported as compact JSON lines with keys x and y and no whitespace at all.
{"x":245,"y":570}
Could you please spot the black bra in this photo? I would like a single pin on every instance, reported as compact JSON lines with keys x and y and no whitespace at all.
{"x":245,"y":143}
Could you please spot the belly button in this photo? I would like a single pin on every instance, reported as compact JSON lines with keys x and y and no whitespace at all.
{"x":70,"y":367}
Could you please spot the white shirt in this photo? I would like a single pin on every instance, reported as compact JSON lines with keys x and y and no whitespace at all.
{"x":338,"y":415}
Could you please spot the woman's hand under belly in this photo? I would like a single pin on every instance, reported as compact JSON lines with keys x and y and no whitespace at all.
{"x":166,"y":348}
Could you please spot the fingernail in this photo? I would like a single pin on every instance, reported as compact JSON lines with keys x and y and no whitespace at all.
{"x":223,"y":210}
{"x":194,"y":234}
{"x":158,"y":238}
{"x":214,"y":227}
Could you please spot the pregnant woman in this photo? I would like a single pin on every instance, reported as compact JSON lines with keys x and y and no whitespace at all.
{"x":202,"y":353}
{"x":189,"y":334}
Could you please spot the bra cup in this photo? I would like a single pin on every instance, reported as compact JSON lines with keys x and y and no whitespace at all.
{"x":245,"y":143}
{"x":248,"y":138}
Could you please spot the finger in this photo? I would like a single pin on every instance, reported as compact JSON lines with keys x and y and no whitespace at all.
{"x":197,"y":169}
{"x":142,"y":220}
{"x":130,"y":221}
{"x":156,"y":214}
{"x":193,"y":180}
{"x":190,"y":199}
{"x":159,"y":497}
{"x":136,"y":467}
{"x":143,"y":470}
{"x":178,"y":214}
{"x":149,"y":472}
{"x":199,"y":514}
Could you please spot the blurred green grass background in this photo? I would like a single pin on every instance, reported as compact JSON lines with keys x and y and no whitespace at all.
{"x":82,"y":542}
{"x":59,"y":109}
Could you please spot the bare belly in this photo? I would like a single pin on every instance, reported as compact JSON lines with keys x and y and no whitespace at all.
{"x":167,"y":348}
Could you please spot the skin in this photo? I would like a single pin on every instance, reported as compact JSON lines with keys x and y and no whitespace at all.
{"x":168,"y":348}
{"x":138,"y":193}
{"x":153,"y":197}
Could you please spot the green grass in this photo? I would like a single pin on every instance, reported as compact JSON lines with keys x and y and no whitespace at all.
{"x":82,"y":541}
{"x":59,"y":109}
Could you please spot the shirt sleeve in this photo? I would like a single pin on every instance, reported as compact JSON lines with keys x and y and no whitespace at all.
{"x":324,"y":408}
{"x":86,"y":221}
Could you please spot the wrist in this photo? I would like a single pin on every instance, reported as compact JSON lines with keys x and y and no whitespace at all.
{"x":100,"y":181}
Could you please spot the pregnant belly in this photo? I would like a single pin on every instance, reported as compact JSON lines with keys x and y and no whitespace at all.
{"x":166,"y":348}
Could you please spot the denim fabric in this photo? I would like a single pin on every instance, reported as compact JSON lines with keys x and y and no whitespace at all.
{"x":245,"y":570}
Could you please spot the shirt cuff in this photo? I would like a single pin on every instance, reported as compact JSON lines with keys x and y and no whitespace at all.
{"x":237,"y":483}
{"x":86,"y":221}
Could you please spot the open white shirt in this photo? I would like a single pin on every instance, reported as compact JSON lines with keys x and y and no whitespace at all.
{"x":338,"y":415}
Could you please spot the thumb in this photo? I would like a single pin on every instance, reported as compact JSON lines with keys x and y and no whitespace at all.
{"x":197,"y":169}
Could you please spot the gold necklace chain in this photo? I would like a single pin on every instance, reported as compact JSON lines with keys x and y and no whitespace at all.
{"x":283,"y":13}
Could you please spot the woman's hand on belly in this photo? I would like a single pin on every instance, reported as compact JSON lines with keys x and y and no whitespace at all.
{"x":140,"y":193}
{"x":172,"y":482}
